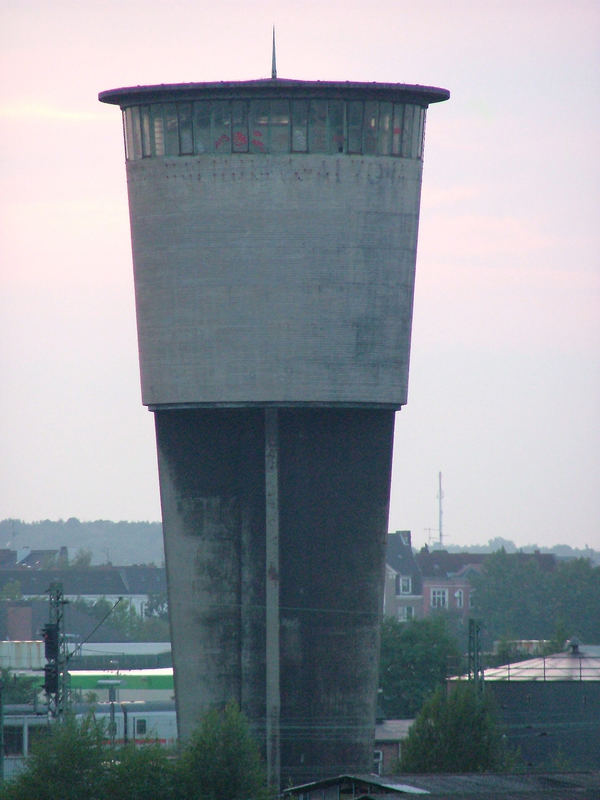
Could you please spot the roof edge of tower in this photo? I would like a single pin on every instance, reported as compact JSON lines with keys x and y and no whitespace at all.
{"x":272,"y":87}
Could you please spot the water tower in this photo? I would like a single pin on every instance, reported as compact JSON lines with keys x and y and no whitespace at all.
{"x":274,"y":230}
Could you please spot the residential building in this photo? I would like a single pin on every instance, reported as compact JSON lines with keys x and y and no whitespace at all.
{"x":134,"y":583}
{"x":403,"y":594}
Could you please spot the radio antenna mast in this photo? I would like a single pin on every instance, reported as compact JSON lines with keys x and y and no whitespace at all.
{"x":440,"y":510}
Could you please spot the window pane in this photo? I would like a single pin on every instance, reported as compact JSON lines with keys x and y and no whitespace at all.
{"x":299,"y":126}
{"x":415,"y":132}
{"x":384,"y":147}
{"x":202,"y":140}
{"x":134,"y":134}
{"x":186,"y":142}
{"x":370,"y":127}
{"x":13,"y":740}
{"x":280,"y":127}
{"x":259,"y":120}
{"x":407,"y":132}
{"x":397,"y":129}
{"x":158,"y":129}
{"x":145,"y":124}
{"x":421,"y":139}
{"x":221,"y":126}
{"x":336,"y":126}
{"x":171,"y":130}
{"x":127,"y":134}
{"x":239,"y":122}
{"x":354,"y":111}
{"x":317,"y":126}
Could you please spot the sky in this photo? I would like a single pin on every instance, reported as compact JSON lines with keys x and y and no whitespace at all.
{"x":504,"y":390}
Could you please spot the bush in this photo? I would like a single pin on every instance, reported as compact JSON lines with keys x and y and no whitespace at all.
{"x":74,"y":762}
{"x":68,"y":764}
{"x":222,"y":760}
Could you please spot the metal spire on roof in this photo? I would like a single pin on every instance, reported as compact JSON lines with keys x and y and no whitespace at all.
{"x":273,"y":58}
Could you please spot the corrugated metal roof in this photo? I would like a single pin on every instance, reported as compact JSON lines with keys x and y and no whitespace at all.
{"x":475,"y":786}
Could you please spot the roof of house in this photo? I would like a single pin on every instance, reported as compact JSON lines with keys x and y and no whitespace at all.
{"x":399,"y":554}
{"x":8,"y":558}
{"x":440,"y":563}
{"x":141,"y":579}
{"x":400,"y":557}
{"x":82,"y":582}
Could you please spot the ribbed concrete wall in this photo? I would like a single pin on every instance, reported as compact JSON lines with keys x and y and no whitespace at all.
{"x":263,"y":278}
{"x":334,"y":467}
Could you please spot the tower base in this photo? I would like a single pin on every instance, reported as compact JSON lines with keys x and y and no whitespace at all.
{"x":275,"y":594}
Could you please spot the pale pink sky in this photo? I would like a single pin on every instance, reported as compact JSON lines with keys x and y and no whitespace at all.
{"x":505,"y":372}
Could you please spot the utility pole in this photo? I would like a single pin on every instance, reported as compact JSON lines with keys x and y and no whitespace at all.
{"x":1,"y":732}
{"x":475,"y":663}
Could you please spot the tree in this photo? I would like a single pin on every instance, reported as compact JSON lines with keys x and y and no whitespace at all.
{"x":125,"y":619}
{"x":455,"y":731}
{"x":157,"y":606}
{"x":415,"y":658}
{"x":19,"y":688}
{"x":575,"y":585}
{"x":140,"y":773}
{"x":516,"y":599}
{"x":75,"y":762}
{"x":221,"y":760}
{"x":512,"y":598}
{"x":68,"y":763}
{"x":11,"y":590}
{"x":82,"y":558}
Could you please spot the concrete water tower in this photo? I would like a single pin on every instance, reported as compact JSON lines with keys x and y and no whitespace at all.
{"x":274,"y":230}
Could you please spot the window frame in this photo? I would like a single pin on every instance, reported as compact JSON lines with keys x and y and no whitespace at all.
{"x":438,"y":593}
{"x":403,"y":584}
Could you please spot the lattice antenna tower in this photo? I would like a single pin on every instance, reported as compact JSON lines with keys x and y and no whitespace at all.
{"x":440,"y":510}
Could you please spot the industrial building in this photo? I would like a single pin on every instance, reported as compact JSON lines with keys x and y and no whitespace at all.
{"x":274,"y":231}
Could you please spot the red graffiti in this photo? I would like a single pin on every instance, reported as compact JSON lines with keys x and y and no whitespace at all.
{"x":221,"y":140}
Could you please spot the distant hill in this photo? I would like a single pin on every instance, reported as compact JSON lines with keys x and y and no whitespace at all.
{"x":125,"y":543}
{"x":493,"y":545}
{"x":119,"y":543}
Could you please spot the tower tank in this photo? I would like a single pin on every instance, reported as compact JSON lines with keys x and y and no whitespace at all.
{"x":274,"y":233}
